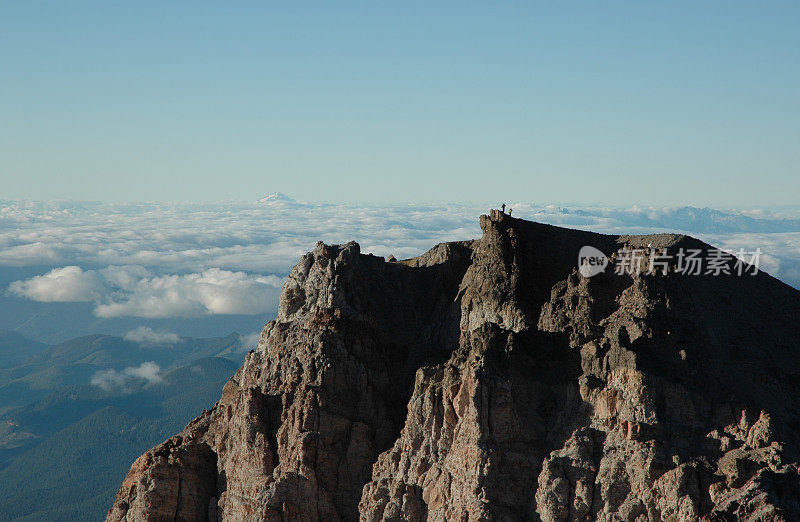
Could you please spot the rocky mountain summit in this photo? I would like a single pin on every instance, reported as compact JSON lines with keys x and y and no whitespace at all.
{"x":489,"y":380}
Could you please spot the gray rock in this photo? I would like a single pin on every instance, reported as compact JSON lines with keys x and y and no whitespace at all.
{"x":488,"y":380}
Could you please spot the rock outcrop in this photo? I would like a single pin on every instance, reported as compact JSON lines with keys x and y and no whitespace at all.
{"x":489,"y":380}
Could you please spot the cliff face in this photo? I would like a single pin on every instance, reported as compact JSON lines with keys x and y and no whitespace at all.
{"x":488,"y":380}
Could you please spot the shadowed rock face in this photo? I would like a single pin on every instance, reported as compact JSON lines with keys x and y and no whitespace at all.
{"x":488,"y":380}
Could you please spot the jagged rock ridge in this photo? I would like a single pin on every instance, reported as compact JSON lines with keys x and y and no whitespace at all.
{"x":488,"y":380}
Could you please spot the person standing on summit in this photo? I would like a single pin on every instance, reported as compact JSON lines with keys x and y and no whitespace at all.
{"x":503,"y":208}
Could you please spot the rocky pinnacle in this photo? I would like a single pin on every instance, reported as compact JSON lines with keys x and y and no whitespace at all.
{"x":489,"y":380}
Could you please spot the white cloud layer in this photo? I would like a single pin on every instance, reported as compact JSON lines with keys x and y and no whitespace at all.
{"x":185,"y":260}
{"x":212,"y":291}
{"x":66,"y":284}
{"x":131,"y":291}
{"x":110,"y":380}
{"x":146,"y":336}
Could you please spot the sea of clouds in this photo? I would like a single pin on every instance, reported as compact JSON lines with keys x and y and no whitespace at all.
{"x":161,"y":260}
{"x":133,"y":291}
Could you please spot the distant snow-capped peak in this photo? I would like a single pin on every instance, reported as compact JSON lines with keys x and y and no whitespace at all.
{"x":276,"y":197}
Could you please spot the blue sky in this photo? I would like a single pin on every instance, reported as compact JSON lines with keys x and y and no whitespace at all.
{"x":617,"y":103}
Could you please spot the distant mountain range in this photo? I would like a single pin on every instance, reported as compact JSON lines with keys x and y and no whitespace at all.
{"x":73,"y":416}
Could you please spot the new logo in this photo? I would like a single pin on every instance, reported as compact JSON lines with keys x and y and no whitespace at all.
{"x":591,"y":261}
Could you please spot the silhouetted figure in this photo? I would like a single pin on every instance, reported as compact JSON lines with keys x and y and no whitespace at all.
{"x":503,"y":208}
{"x":510,"y":211}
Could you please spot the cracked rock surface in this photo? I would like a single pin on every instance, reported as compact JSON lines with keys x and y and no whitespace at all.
{"x":489,"y":380}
